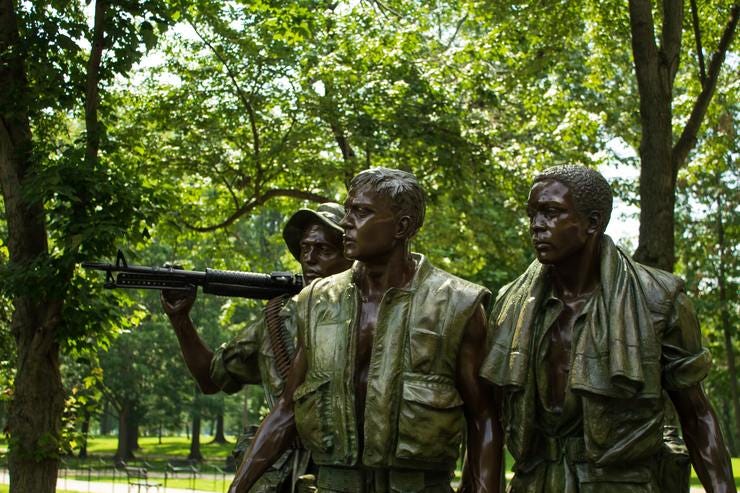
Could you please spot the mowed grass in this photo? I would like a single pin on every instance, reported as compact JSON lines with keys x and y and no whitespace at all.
{"x":171,"y":447}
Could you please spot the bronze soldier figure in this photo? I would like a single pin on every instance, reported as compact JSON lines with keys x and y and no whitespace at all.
{"x":261,"y":354}
{"x":385,"y":380}
{"x":586,"y":345}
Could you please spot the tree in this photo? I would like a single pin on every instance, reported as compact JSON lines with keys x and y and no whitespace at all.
{"x":56,"y":195}
{"x":656,"y":66}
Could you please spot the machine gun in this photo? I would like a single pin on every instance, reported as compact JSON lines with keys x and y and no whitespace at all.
{"x":219,"y":282}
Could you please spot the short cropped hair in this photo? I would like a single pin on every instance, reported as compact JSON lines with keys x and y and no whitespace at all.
{"x":400,"y":186}
{"x":590,"y":190}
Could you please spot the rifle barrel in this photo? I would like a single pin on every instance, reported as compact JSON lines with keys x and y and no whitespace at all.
{"x":252,"y":285}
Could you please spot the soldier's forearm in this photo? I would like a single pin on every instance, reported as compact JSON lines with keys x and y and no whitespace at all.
{"x":704,"y":440}
{"x":275,"y":435}
{"x":484,"y":430}
{"x":196,"y":354}
{"x":485,"y":456}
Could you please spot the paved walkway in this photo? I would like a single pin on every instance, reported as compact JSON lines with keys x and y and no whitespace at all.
{"x":100,"y":487}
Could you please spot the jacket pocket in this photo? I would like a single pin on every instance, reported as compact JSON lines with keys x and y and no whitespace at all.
{"x":424,"y":346}
{"x":430,"y":419}
{"x":311,"y":405}
{"x":616,"y":479}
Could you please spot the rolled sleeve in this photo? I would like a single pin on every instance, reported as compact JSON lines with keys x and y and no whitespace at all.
{"x":236,"y":363}
{"x":685,"y":361}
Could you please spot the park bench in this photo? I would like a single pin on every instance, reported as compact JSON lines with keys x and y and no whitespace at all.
{"x":187,"y":467}
{"x":137,"y":476}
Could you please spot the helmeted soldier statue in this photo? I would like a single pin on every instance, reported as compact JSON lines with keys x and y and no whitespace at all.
{"x":586,"y":345}
{"x":261,"y":354}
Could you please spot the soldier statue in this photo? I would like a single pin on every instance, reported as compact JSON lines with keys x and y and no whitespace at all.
{"x":385,"y":383}
{"x":586,"y":346}
{"x":262,"y":353}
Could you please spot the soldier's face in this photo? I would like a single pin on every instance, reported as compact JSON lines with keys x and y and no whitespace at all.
{"x":559,"y":232}
{"x":370,"y":225}
{"x":321,"y":253}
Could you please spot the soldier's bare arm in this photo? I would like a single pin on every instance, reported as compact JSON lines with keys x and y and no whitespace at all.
{"x":197,"y":355}
{"x":276,"y":433}
{"x":704,"y":439}
{"x":485,"y":437}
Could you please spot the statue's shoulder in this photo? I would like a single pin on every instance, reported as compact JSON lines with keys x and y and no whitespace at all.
{"x":660,"y":287}
{"x":329,"y":288}
{"x":522,"y":285}
{"x":439,"y":283}
{"x":323,"y":298}
{"x":441,"y":277}
{"x":654,"y":279}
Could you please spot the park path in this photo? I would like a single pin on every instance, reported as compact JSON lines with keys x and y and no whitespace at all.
{"x":100,"y":487}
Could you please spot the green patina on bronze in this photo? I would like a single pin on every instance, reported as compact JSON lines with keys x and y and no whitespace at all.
{"x":248,"y":358}
{"x":637,"y":337}
{"x":413,"y":413}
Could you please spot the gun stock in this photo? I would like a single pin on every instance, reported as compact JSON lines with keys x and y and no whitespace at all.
{"x":238,"y":284}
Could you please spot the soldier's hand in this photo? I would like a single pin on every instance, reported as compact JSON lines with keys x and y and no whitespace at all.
{"x":177,"y":302}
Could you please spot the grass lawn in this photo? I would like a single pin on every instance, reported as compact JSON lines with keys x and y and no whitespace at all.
{"x":171,"y":447}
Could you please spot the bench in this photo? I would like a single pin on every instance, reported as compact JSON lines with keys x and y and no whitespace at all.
{"x":137,"y":476}
{"x":187,"y":467}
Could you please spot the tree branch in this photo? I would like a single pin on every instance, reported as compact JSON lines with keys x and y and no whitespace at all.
{"x":384,"y":9}
{"x":671,"y":37}
{"x":251,"y":114}
{"x":644,"y":49}
{"x":250,"y":205}
{"x":458,"y":27}
{"x":92,"y":94}
{"x":687,"y":140}
{"x":697,"y":37}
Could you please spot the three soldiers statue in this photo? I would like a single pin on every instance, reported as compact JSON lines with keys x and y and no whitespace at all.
{"x":398,"y":365}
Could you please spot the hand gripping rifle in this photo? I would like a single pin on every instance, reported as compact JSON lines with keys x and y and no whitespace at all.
{"x":219,"y":282}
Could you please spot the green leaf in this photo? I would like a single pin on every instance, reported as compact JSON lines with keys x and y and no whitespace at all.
{"x":147,"y":35}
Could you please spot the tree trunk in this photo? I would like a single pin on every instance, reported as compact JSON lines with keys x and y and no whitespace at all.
{"x":124,"y":452}
{"x":105,"y":421}
{"x":655,"y":69}
{"x":132,"y":431}
{"x":34,"y":428}
{"x":219,"y":436}
{"x":84,"y":432}
{"x":195,"y":453}
{"x":660,"y":158}
{"x":34,"y":417}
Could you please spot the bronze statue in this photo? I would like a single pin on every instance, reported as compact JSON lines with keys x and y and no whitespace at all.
{"x":585,"y":347}
{"x":385,"y":379}
{"x":261,"y":354}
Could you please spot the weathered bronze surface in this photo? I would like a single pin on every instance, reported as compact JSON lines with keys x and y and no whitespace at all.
{"x":586,"y":346}
{"x":314,"y":237}
{"x":386,"y":372}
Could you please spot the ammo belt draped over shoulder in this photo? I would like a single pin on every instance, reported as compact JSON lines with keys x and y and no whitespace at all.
{"x":280,"y":343}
